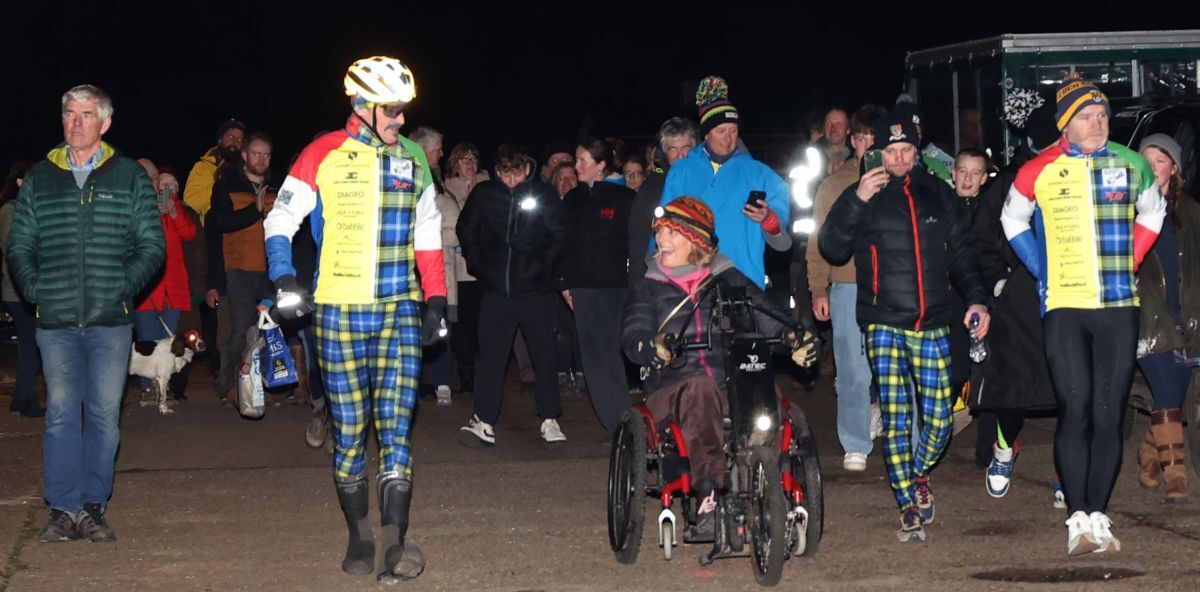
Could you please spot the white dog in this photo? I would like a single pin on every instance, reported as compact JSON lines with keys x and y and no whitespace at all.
{"x":159,"y":360}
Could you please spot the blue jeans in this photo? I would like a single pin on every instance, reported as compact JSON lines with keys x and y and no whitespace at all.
{"x":85,"y":371}
{"x":853,"y":381}
{"x":147,"y":327}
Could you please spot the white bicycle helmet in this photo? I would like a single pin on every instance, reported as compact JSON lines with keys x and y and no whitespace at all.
{"x":381,"y":80}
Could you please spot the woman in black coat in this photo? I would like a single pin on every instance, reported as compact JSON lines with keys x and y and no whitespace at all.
{"x":593,"y":275}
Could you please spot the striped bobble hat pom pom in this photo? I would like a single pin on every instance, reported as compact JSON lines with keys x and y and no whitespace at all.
{"x":711,"y":90}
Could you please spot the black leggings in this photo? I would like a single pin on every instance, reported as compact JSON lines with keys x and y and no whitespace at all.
{"x":1090,"y":354}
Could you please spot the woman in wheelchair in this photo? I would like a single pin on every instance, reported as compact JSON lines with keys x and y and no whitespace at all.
{"x":690,"y":387}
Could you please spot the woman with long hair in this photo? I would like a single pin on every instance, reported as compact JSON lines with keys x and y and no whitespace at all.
{"x":1168,"y":282}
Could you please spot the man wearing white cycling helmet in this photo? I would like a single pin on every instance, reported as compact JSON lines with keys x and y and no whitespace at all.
{"x":369,"y":194}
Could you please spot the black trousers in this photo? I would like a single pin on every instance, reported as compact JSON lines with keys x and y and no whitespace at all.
{"x":464,"y":339}
{"x":499,"y":317}
{"x":1090,"y":354}
{"x":598,"y":314}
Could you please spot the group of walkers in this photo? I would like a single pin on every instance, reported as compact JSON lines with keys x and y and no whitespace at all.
{"x":383,"y":265}
{"x":1073,"y":262}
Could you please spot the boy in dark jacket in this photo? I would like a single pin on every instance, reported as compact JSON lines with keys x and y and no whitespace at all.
{"x":908,"y":234}
{"x":511,"y":233}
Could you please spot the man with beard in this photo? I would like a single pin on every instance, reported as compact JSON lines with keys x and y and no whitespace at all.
{"x":198,"y":190}
{"x":197,"y":194}
{"x":241,"y":197}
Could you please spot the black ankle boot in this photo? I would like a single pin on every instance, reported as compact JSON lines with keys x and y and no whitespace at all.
{"x":360,"y":551}
{"x":400,"y":561}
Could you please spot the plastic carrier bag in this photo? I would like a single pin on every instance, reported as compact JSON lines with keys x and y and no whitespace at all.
{"x":278,"y":367}
{"x":250,"y":400}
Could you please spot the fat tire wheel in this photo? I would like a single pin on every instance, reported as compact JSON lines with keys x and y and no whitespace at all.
{"x":627,"y":487}
{"x":805,"y":466}
{"x":766,"y":522}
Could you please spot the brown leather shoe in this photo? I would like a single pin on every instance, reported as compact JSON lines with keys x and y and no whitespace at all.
{"x":1167,"y":425}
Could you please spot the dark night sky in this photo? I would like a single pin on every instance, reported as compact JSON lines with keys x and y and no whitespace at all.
{"x":483,"y":75}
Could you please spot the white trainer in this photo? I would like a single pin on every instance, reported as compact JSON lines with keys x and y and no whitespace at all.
{"x":854,"y":461}
{"x":443,"y":395}
{"x":876,"y":422}
{"x":476,"y":433}
{"x":1102,"y":532}
{"x":1080,"y":539}
{"x":551,"y":432}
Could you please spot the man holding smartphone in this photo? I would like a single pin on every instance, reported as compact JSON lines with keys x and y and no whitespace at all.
{"x":723,"y":175}
{"x":834,"y":292}
{"x":907,"y":233}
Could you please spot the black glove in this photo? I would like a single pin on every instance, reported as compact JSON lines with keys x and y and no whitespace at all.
{"x":433,"y":326}
{"x":292,"y":300}
{"x":642,"y":353}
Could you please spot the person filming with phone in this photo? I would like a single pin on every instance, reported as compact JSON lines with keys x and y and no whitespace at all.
{"x":748,"y":200}
{"x":907,"y":234}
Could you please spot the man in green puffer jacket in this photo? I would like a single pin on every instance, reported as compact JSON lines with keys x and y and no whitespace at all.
{"x":85,"y":240}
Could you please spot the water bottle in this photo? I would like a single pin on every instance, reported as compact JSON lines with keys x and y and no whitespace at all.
{"x":979,"y":351}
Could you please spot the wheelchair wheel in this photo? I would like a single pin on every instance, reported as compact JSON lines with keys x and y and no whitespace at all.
{"x":766,"y":516}
{"x":626,"y":487}
{"x":805,"y":466}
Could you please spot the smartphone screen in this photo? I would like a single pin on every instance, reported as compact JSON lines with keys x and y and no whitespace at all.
{"x":755,"y":197}
{"x":873,"y":159}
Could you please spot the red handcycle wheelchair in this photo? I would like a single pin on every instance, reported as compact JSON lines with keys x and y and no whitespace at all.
{"x":773,"y":502}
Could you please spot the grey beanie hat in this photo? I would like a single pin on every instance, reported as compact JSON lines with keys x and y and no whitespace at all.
{"x":1166,"y":144}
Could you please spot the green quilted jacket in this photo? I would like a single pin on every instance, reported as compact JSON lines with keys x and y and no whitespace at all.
{"x":82,"y":255}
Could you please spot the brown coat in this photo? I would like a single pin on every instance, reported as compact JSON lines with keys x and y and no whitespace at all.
{"x":821,"y":273}
{"x":245,"y":249}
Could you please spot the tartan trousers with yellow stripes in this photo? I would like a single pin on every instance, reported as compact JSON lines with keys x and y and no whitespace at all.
{"x":900,"y":358}
{"x":370,"y":357}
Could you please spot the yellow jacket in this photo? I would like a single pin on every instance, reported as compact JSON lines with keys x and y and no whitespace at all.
{"x":197,"y":193}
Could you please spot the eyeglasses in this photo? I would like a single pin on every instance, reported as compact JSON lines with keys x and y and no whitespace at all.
{"x":635,"y":174}
{"x":392,"y":110}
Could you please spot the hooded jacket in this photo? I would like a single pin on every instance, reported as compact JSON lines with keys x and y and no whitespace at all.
{"x":82,"y":255}
{"x":910,"y":241}
{"x":512,"y":238}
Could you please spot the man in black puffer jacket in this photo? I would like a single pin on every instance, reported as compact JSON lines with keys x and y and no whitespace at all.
{"x":85,"y":240}
{"x":512,"y":233}
{"x":910,"y":238}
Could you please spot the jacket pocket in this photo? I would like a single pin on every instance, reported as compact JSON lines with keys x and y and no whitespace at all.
{"x":874,"y":275}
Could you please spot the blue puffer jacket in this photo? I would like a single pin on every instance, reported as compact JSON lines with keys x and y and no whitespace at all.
{"x":725,"y":191}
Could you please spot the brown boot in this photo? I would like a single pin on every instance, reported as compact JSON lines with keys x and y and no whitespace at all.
{"x":1167,"y":425}
{"x":1151,"y":474}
